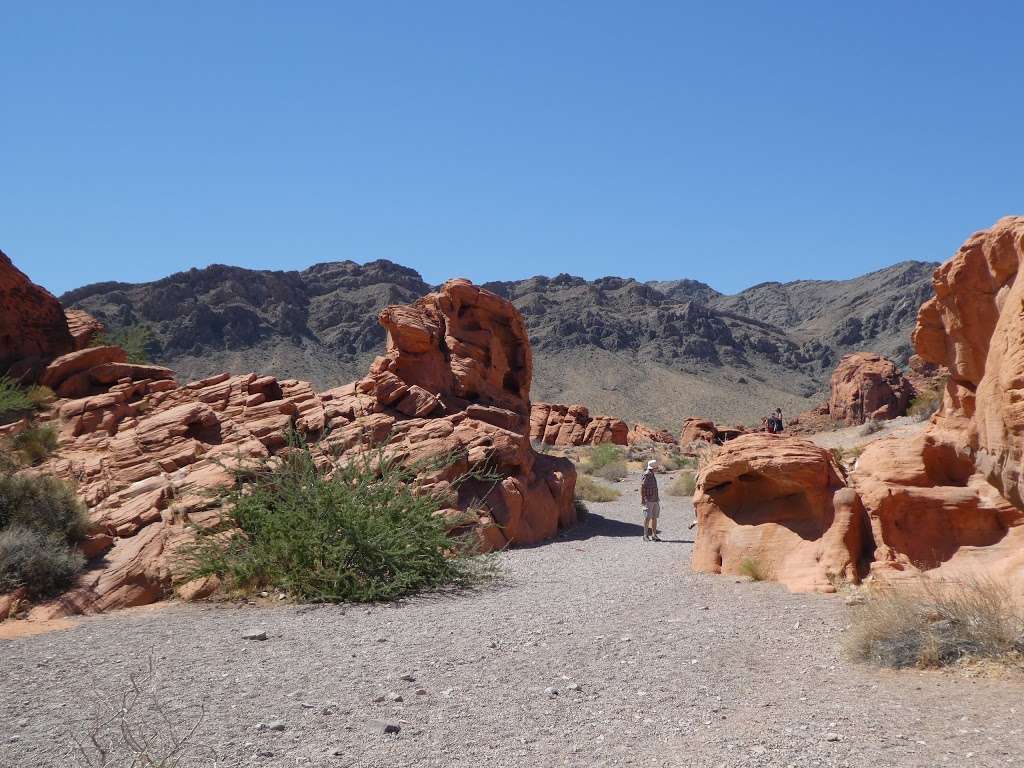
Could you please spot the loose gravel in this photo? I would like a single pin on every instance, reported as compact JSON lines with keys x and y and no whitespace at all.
{"x":597,"y":649}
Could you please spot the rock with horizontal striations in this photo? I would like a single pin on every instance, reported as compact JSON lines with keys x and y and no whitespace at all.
{"x":867,"y":386}
{"x":778,"y":507}
{"x":695,"y":430}
{"x":641,"y":433}
{"x":66,"y":366}
{"x":565,"y":425}
{"x":84,"y":328}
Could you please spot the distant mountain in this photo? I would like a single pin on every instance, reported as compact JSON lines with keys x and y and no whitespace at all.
{"x":656,"y":351}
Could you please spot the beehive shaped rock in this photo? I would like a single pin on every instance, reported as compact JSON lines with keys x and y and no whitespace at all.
{"x":867,"y":386}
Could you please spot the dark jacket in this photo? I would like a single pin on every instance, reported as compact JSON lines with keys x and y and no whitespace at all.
{"x":649,"y":487}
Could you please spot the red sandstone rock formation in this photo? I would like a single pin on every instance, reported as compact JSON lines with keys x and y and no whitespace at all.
{"x":565,"y":425}
{"x":950,"y":500}
{"x":780,"y":503}
{"x":33,"y":329}
{"x":868,"y":386}
{"x":84,"y":328}
{"x":696,"y":430}
{"x":641,"y":433}
{"x":146,"y":453}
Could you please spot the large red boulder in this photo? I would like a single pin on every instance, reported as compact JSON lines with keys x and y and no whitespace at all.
{"x":950,"y":501}
{"x":33,"y":329}
{"x":641,"y":433}
{"x":867,"y":386}
{"x":778,"y":508}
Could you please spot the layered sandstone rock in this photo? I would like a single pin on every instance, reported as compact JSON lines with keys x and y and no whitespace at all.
{"x":695,"y":430}
{"x":867,"y":386}
{"x":779,"y":505}
{"x":33,"y":329}
{"x":566,"y":425}
{"x":450,"y":395}
{"x":84,"y":328}
{"x":949,"y":501}
{"x":641,"y":433}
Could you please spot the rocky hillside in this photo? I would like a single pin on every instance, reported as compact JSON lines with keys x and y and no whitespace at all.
{"x":655,"y":352}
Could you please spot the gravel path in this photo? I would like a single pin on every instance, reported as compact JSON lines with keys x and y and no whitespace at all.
{"x":653,"y":666}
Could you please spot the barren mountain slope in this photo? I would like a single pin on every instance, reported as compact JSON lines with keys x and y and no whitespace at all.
{"x":656,"y":352}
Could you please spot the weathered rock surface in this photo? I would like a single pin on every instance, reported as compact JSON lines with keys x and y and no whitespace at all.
{"x":779,"y":505}
{"x":696,"y":430}
{"x":867,"y":386}
{"x":83,"y":327}
{"x":949,"y":501}
{"x":565,"y":425}
{"x":146,"y":453}
{"x":641,"y":433}
{"x":33,"y":329}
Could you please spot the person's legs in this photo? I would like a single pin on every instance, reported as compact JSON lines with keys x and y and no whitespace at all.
{"x":647,"y":527}
{"x":654,"y":512}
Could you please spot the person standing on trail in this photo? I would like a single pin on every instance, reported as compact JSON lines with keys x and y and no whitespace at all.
{"x":649,"y":501}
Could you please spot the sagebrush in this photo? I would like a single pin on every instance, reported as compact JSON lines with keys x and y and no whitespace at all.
{"x":589,"y":489}
{"x":684,"y":485}
{"x":357,"y":534}
{"x":136,"y":340}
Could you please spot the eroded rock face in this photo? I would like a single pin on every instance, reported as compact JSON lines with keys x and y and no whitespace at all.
{"x":33,"y":329}
{"x":695,"y":430}
{"x":867,"y":386}
{"x":565,"y":425}
{"x":781,"y":505}
{"x":950,"y":501}
{"x":84,"y":328}
{"x":146,"y":453}
{"x":641,"y":433}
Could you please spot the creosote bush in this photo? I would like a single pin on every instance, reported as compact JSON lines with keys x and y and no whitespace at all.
{"x":136,"y":340}
{"x":684,"y":485}
{"x":871,"y":426}
{"x":35,"y":443}
{"x":14,"y":400}
{"x":40,"y":522}
{"x":612,"y":471}
{"x":602,"y":455}
{"x":754,"y":570}
{"x":359,"y":534}
{"x":588,"y":489}
{"x":927,"y":402}
{"x":933,"y":624}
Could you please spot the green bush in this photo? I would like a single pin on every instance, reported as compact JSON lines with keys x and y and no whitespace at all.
{"x":684,"y":485}
{"x":588,"y":489}
{"x":754,"y":570}
{"x":41,"y":562}
{"x":602,"y":455}
{"x":14,"y":401}
{"x":359,"y":534}
{"x":136,"y":340}
{"x":615,"y":470}
{"x":35,"y":443}
{"x":40,"y":521}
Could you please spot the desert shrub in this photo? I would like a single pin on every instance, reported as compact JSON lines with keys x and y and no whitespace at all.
{"x":670,"y":461}
{"x":684,"y":485}
{"x":41,"y":562}
{"x":40,"y":521}
{"x":615,"y":470}
{"x":604,"y":454}
{"x":35,"y":443}
{"x":926,"y":403}
{"x":935,"y":624}
{"x":359,"y":534}
{"x":870,"y":426}
{"x":40,"y":396}
{"x":14,"y":400}
{"x":588,"y":489}
{"x":754,"y":569}
{"x":136,"y":340}
{"x":42,"y":503}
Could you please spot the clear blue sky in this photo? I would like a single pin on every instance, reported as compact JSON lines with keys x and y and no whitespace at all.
{"x":728,"y":142}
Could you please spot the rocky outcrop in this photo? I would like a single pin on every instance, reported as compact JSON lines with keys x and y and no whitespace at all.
{"x":779,"y":507}
{"x":866,"y":386}
{"x":949,"y":501}
{"x":695,"y":430}
{"x":450,"y":395}
{"x":84,"y":328}
{"x":33,"y":329}
{"x":566,"y":425}
{"x":641,"y":433}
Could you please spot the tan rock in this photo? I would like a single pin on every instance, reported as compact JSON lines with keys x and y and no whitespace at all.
{"x":781,"y":505}
{"x":867,"y":386}
{"x":641,"y":433}
{"x":83,"y":327}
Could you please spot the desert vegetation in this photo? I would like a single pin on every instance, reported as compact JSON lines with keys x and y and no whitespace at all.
{"x":136,"y":340}
{"x":927,"y":402}
{"x":355,"y":533}
{"x":41,"y":520}
{"x":17,"y":401}
{"x":934,"y":624}
{"x":684,"y":484}
{"x":589,"y":489}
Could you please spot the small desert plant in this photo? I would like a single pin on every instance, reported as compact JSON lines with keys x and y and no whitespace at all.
{"x":35,"y":443}
{"x":136,"y":340}
{"x":670,"y":461}
{"x":40,"y":521}
{"x":14,"y":401}
{"x":926,"y":403}
{"x":359,"y":534}
{"x":754,"y":569}
{"x":40,"y":396}
{"x":870,"y":426}
{"x":684,"y":485}
{"x":613,"y":471}
{"x":603,"y":454}
{"x":588,"y":489}
{"x":931,"y":624}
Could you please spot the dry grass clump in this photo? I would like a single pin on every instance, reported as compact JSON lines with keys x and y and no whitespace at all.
{"x":613,"y":471}
{"x":870,"y":427}
{"x":935,"y":624}
{"x":588,"y":489}
{"x":34,"y":444}
{"x":927,"y":402}
{"x":684,"y":485}
{"x":754,"y":569}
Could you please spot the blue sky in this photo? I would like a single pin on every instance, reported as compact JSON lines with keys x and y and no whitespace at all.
{"x":728,"y":142}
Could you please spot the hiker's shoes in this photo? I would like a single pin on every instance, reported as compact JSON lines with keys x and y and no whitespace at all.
{"x":655,"y":538}
{"x":646,"y":537}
